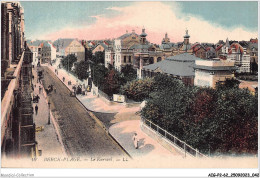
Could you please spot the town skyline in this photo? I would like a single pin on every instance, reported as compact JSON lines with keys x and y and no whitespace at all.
{"x":97,"y":21}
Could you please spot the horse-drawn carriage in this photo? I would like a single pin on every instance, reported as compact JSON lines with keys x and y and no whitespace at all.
{"x":36,"y":99}
{"x":49,"y":89}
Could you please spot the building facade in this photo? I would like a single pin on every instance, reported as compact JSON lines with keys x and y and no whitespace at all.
{"x":17,"y":123}
{"x":100,"y":48}
{"x":76,"y":48}
{"x":133,"y":49}
{"x":209,"y":72}
{"x":47,"y":52}
{"x":12,"y":34}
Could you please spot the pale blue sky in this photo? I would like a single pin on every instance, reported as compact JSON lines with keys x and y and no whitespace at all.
{"x":44,"y":16}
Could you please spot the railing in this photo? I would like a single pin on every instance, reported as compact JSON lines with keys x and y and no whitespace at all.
{"x":172,"y":140}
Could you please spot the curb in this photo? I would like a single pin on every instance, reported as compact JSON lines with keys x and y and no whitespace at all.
{"x":98,"y":122}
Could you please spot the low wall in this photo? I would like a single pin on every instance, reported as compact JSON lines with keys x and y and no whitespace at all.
{"x":162,"y":141}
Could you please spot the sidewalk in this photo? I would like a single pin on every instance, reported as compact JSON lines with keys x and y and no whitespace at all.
{"x":147,"y":147}
{"x":47,"y":138}
{"x":123,"y":125}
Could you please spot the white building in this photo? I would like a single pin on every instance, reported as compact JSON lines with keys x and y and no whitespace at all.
{"x":109,"y":57}
{"x":238,"y":54}
{"x":235,"y":52}
{"x":209,"y":72}
{"x":35,"y":47}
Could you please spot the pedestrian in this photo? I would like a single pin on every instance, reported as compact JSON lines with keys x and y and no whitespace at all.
{"x":54,"y":89}
{"x":135,"y":139}
{"x":36,"y":109}
{"x":40,"y":89}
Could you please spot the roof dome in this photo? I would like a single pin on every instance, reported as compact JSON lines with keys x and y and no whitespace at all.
{"x":186,"y":35}
{"x":143,"y":34}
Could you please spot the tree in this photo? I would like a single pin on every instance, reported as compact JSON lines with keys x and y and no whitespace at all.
{"x":99,"y":57}
{"x":88,"y":54}
{"x":128,"y":73}
{"x":221,"y":120}
{"x":228,"y":83}
{"x":81,"y":69}
{"x":112,"y":82}
{"x":137,"y":90}
{"x":99,"y":73}
{"x":68,"y":61}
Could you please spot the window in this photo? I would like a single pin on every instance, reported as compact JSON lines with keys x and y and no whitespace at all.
{"x":129,"y":60}
{"x":124,"y":59}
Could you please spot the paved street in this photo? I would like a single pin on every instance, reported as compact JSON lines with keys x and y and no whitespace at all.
{"x":82,"y":136}
{"x":47,"y":138}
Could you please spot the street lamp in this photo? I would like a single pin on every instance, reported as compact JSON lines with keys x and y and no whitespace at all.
{"x":49,"y":115}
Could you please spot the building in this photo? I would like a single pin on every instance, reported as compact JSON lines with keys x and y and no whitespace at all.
{"x":100,"y":48}
{"x":186,"y":46}
{"x":210,"y":72}
{"x":12,"y":34}
{"x":238,"y":54}
{"x":252,"y":50}
{"x":133,"y":49}
{"x":17,"y":125}
{"x":76,"y":48}
{"x":47,"y":52}
{"x":122,"y":49}
{"x":60,"y":45}
{"x":35,"y":47}
{"x":179,"y":66}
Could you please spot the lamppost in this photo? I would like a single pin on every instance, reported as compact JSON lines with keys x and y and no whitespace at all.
{"x":49,"y":113}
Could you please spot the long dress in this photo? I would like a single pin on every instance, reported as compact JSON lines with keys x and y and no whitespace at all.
{"x":135,"y":141}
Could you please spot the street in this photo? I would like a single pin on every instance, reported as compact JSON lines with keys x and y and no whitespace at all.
{"x":81,"y":135}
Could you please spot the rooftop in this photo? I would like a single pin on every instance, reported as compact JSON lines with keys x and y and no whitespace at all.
{"x":179,"y":65}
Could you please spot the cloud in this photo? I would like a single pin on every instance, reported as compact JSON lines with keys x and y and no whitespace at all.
{"x":157,"y":18}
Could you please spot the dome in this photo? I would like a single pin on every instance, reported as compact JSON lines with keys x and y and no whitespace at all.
{"x":187,"y":35}
{"x":143,"y":34}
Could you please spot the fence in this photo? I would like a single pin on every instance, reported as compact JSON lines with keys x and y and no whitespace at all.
{"x":174,"y":141}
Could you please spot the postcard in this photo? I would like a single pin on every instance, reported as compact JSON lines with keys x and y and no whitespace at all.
{"x":130,"y":84}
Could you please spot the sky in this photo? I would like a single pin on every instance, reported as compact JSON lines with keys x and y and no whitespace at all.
{"x":94,"y":20}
